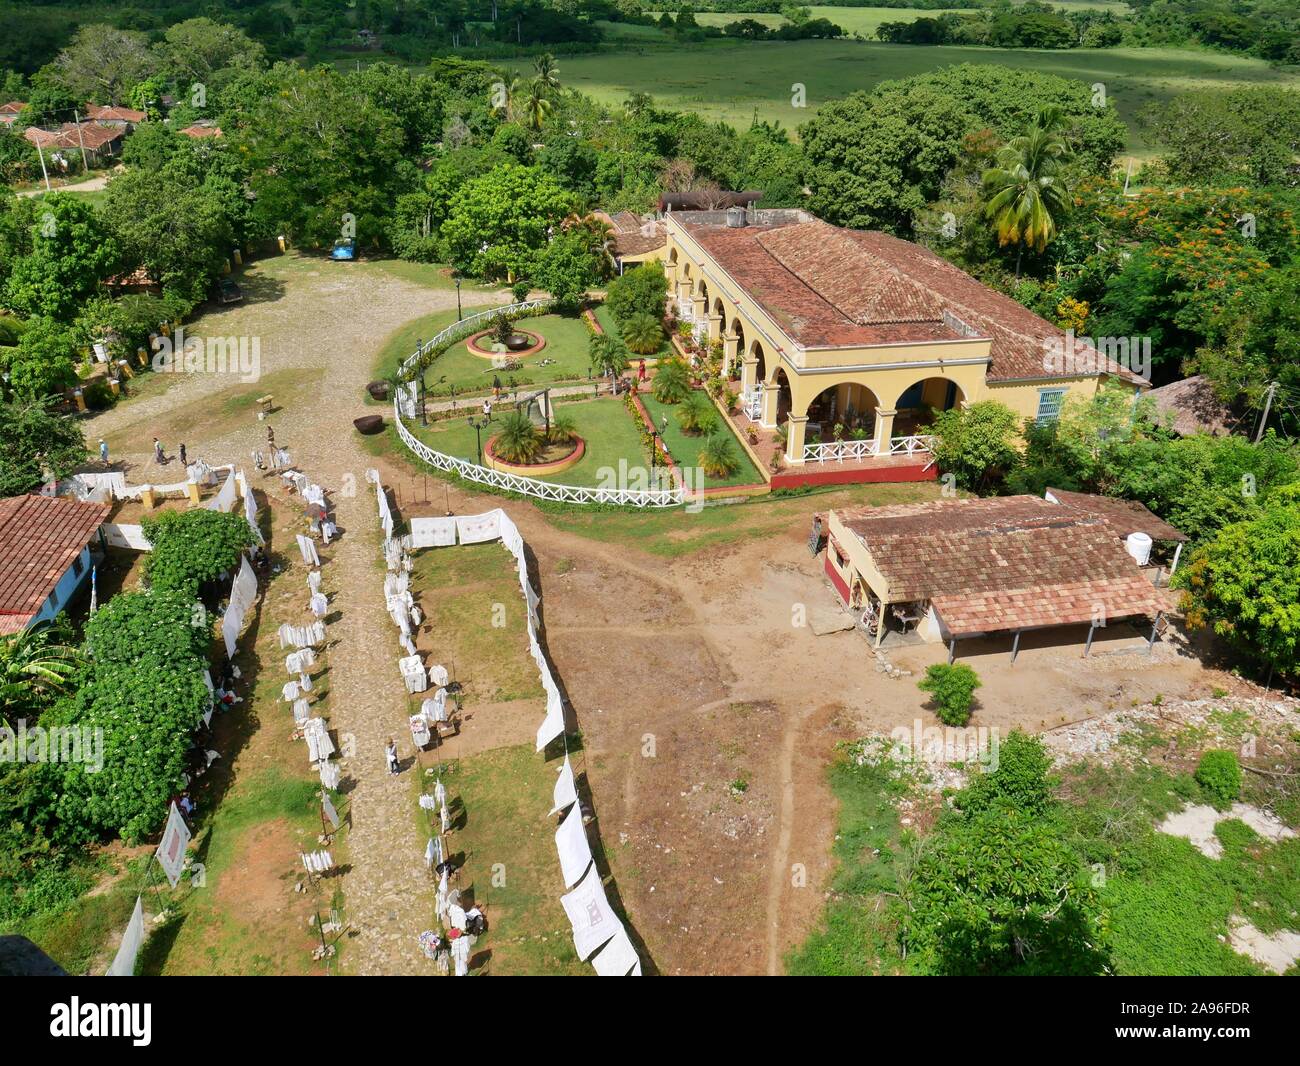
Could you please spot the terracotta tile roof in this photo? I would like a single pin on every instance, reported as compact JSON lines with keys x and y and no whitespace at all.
{"x":1193,"y":406}
{"x":12,"y":108}
{"x":833,"y":287}
{"x":40,"y":536}
{"x":1010,"y":562}
{"x":632,"y":235}
{"x":1123,"y":516}
{"x":107,"y":113}
{"x":198,"y":131}
{"x":92,"y":135}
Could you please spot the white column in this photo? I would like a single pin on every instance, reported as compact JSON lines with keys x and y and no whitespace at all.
{"x":884,"y":429}
{"x":794,"y":438}
{"x":771,"y":393}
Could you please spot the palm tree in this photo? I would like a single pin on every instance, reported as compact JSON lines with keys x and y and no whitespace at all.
{"x":504,"y":97}
{"x":717,"y":457}
{"x":1025,"y":193}
{"x":672,"y":381}
{"x":548,"y":72}
{"x":33,"y":672}
{"x":538,"y":105}
{"x":518,"y":440}
{"x":643,"y":333}
{"x":608,"y":355}
{"x":696,"y":415}
{"x":563,"y":429}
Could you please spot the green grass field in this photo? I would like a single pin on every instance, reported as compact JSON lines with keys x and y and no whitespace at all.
{"x":732,"y":82}
{"x":604,"y":424}
{"x":686,"y":448}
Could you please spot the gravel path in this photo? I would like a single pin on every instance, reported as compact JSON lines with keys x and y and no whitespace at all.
{"x":329,"y":329}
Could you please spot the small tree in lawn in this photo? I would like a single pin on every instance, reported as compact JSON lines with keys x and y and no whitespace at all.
{"x":643,"y":334}
{"x":607,"y":354}
{"x":563,"y":429}
{"x":952,"y":691}
{"x":503,"y":328}
{"x":518,"y":440}
{"x":697,"y":415}
{"x":672,"y":381}
{"x":718,"y":457}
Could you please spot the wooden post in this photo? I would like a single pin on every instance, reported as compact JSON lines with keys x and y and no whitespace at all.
{"x":1087,"y":648}
{"x":952,"y":650}
{"x":1015,"y":647}
{"x":1151,"y":641}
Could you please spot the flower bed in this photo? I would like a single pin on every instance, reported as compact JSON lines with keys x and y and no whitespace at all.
{"x":472,"y":343}
{"x":542,"y":469}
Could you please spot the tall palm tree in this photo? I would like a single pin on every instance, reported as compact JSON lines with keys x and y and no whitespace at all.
{"x":538,"y":105}
{"x":505,"y":97}
{"x":608,"y":355}
{"x":1025,"y":193}
{"x":32,"y":673}
{"x":548,"y":72}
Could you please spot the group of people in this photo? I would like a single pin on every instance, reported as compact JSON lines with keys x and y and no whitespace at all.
{"x":159,"y":456}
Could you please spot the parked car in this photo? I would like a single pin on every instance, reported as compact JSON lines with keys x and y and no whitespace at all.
{"x":344,"y":250}
{"x":228,"y":292}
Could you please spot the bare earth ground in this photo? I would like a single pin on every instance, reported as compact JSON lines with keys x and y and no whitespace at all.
{"x":708,"y":716}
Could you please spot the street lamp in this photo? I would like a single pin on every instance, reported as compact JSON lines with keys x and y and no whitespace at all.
{"x":458,"y":312}
{"x":478,"y":424}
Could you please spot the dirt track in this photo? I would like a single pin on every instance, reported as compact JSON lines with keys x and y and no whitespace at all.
{"x":708,"y":715}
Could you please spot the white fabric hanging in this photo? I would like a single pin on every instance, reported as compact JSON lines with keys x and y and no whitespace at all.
{"x":566,"y":788}
{"x":438,"y":675}
{"x":290,"y":691}
{"x":313,"y":580}
{"x":571,"y":843}
{"x":307,"y":547}
{"x":594,"y":921}
{"x":319,"y":604}
{"x":618,"y":958}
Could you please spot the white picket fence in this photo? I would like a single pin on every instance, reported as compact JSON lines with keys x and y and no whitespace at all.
{"x":528,"y":486}
{"x":840,"y":451}
{"x":475,"y":322}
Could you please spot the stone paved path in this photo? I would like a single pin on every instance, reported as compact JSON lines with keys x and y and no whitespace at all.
{"x":321,"y":323}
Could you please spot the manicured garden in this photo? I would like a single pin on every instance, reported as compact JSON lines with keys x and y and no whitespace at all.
{"x":610,"y":435}
{"x":564,"y":359}
{"x":685,"y":447}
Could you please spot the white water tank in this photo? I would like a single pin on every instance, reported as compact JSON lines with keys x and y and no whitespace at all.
{"x":1139,"y":546}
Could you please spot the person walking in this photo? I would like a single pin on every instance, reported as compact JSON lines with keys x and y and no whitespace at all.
{"x":184,"y":460}
{"x":270,"y":438}
{"x":390,"y":753}
{"x":103,"y":450}
{"x":640,"y":372}
{"x":496,"y":387}
{"x":158,"y":456}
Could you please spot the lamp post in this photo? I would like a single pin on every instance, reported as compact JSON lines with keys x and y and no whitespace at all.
{"x":654,"y":454}
{"x":478,"y":424}
{"x":458,"y":312}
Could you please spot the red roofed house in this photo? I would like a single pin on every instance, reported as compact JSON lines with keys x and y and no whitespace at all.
{"x":9,"y":112}
{"x":835,"y":326}
{"x":111,"y":115}
{"x":962,"y":568}
{"x":99,"y":142}
{"x":200,"y":131}
{"x":634,"y":240}
{"x":45,"y":544}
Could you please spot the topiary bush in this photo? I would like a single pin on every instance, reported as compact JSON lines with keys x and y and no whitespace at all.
{"x":952,"y":691}
{"x":1220,"y":778}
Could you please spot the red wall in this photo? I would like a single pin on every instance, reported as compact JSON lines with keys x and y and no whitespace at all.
{"x":793,"y":478}
{"x":840,"y":585}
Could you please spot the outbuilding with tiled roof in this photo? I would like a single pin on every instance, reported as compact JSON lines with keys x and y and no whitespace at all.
{"x":960,"y":568}
{"x":45,"y":548}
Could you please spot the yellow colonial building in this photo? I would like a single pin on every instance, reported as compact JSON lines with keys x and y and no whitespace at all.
{"x":858,"y":329}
